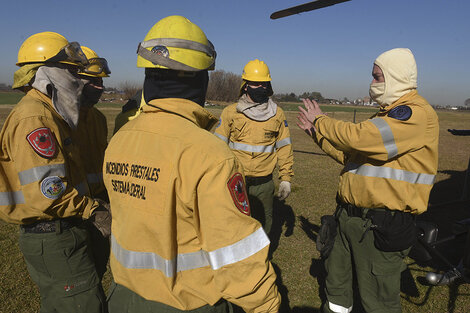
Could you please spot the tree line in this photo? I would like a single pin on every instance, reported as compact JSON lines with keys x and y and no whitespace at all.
{"x":225,"y":87}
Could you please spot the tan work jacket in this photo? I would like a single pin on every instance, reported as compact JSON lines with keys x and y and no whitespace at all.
{"x":258,"y":145}
{"x":92,"y":134}
{"x":390,"y":159}
{"x":181,"y":230}
{"x":42,"y":175}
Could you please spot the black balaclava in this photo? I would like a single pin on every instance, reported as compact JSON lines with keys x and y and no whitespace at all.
{"x":91,"y":95}
{"x":162,"y":83}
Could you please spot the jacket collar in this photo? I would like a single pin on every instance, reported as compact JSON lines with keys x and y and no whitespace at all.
{"x":33,"y":92}
{"x":36,"y":94}
{"x":184,"y":108}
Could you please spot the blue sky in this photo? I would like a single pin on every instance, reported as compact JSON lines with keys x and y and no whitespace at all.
{"x":330,"y":50}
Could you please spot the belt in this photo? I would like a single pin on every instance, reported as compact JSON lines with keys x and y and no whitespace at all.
{"x":51,"y":226}
{"x":258,"y":180}
{"x":354,"y":211}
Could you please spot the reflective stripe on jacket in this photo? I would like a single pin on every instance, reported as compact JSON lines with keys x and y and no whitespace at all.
{"x":25,"y":194}
{"x":390,"y":159}
{"x":258,"y":145}
{"x":179,"y":234}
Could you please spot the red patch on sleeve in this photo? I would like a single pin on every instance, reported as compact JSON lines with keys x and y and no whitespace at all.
{"x":42,"y":141}
{"x":236,"y":186}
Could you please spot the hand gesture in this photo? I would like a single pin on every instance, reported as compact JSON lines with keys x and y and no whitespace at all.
{"x":306,"y":116}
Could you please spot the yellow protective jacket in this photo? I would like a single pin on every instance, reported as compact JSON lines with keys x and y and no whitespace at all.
{"x":129,"y":111}
{"x":390,"y":159}
{"x":92,"y":134}
{"x":181,"y":230}
{"x":42,"y":174}
{"x":258,"y":145}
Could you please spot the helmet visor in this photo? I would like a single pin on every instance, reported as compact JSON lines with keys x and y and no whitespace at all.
{"x":97,"y":66}
{"x":70,"y":53}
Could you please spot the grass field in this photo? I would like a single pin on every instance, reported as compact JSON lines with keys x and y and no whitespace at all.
{"x":10,"y":97}
{"x":300,"y":270}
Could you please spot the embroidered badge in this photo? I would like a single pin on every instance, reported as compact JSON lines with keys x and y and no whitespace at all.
{"x":236,"y":185}
{"x":218,"y":124}
{"x":401,"y":112}
{"x":52,"y":187}
{"x":43,"y":142}
{"x":285,"y":123}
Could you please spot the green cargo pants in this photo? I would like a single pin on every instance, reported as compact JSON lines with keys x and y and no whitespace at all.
{"x":378,"y":273}
{"x":61,"y":264}
{"x":122,"y":299}
{"x":261,"y":202}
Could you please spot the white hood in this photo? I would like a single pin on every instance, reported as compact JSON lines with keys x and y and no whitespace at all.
{"x":400,"y":73}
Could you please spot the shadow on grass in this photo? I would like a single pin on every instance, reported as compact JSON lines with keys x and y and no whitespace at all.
{"x":283,"y":215}
{"x":311,"y":230}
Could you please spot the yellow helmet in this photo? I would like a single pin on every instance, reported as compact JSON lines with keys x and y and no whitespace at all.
{"x":50,"y":47}
{"x":176,"y":43}
{"x":256,"y":71}
{"x":97,"y":67}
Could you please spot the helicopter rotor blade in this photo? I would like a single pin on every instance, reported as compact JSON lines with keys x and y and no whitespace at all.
{"x":314,"y":5}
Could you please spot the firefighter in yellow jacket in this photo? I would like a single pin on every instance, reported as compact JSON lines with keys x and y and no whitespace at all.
{"x":256,"y":130}
{"x":92,"y":133}
{"x":174,"y":188}
{"x":44,"y":184}
{"x":390,"y":165}
{"x":92,"y":123}
{"x":130,"y":110}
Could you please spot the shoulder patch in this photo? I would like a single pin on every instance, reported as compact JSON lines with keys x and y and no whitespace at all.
{"x":285,"y":123}
{"x":401,"y":112}
{"x":52,"y":187}
{"x":42,"y":141}
{"x":236,"y":186}
{"x":218,"y":124}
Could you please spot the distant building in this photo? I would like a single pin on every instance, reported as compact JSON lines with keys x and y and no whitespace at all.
{"x":5,"y":87}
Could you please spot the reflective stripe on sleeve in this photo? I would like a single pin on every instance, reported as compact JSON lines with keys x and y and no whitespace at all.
{"x":239,"y":250}
{"x":187,"y":261}
{"x":283,"y":142}
{"x":250,"y":148}
{"x":11,"y":197}
{"x":225,"y":139}
{"x":94,"y":178}
{"x":41,"y":172}
{"x":149,"y":260}
{"x":387,"y":136}
{"x":390,"y":173}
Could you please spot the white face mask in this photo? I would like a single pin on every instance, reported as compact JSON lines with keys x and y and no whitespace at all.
{"x":377,"y":91}
{"x":66,"y":91}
